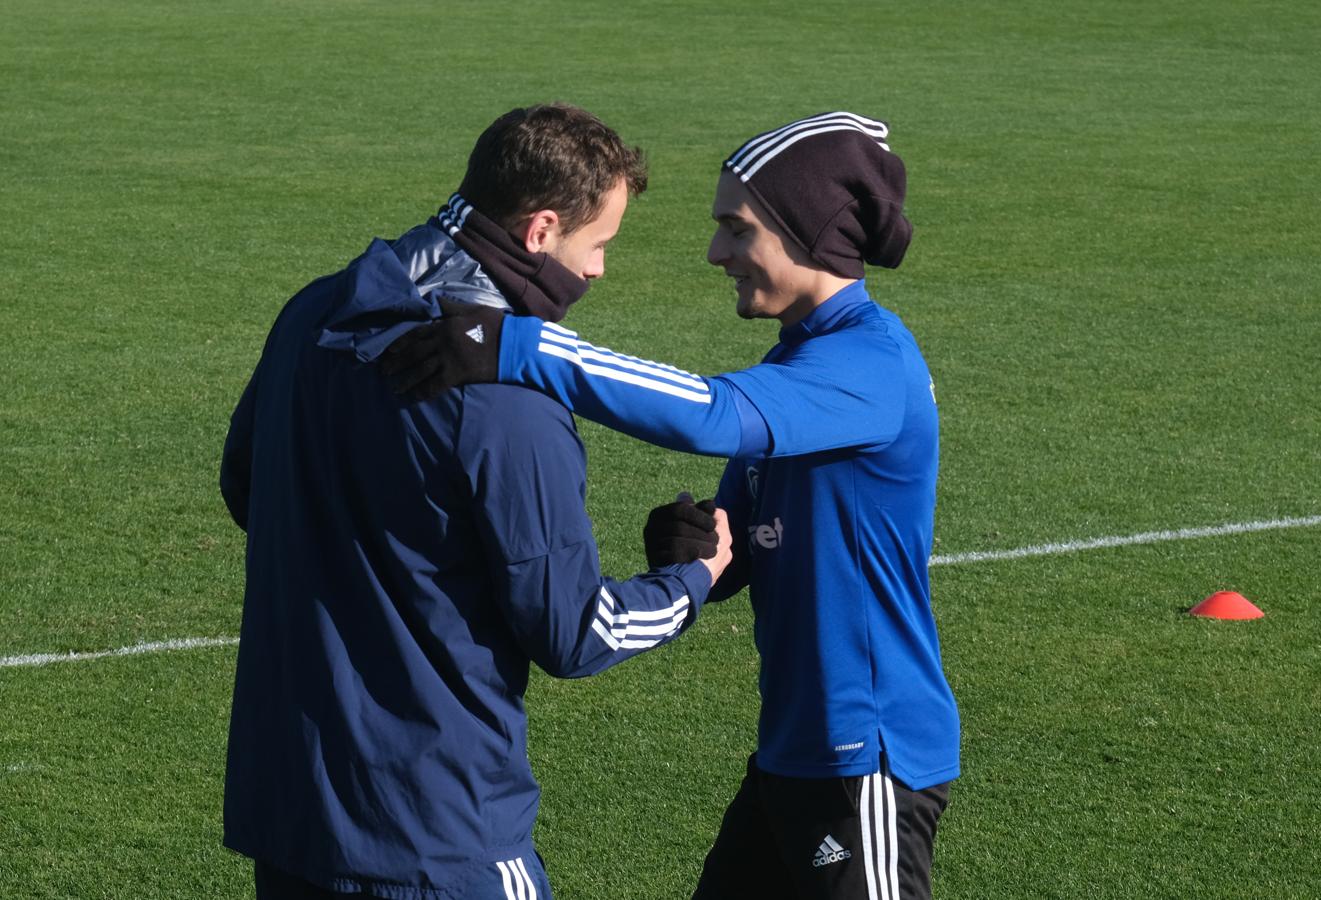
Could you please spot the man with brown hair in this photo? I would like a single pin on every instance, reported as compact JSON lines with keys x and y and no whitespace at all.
{"x":408,"y":560}
{"x":831,"y":486}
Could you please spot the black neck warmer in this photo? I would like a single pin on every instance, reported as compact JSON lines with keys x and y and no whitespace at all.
{"x":534,"y":283}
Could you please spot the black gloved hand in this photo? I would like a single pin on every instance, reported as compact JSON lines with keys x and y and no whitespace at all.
{"x":680,"y":532}
{"x":462,"y":347}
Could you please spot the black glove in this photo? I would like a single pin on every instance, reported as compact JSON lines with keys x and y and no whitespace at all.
{"x":680,"y":532}
{"x":462,"y":347}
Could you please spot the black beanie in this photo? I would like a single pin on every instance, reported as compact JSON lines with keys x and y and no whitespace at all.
{"x":831,"y":182}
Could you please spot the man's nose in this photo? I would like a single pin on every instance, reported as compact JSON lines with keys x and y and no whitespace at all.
{"x":715,"y":251}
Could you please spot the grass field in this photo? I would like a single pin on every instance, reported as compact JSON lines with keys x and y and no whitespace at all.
{"x":1115,"y":280}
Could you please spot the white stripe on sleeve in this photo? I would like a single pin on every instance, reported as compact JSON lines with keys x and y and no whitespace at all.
{"x":618,"y":375}
{"x":621,"y":624}
{"x":653,"y":615}
{"x":618,"y":631}
{"x":556,"y":333}
{"x":520,"y":888}
{"x":504,"y":878}
{"x":645,"y":377}
{"x":605,"y":634}
{"x":531,"y":888}
{"x":628,"y":363}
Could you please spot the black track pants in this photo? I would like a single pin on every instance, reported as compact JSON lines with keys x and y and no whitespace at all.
{"x":860,"y":838}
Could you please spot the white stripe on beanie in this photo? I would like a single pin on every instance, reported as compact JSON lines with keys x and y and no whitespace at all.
{"x":871,"y":127}
{"x":762,"y":149}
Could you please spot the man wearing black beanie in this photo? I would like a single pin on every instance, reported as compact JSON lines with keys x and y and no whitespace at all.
{"x":833,"y":446}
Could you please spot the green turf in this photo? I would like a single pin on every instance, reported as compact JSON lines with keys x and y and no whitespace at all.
{"x":1114,"y":279}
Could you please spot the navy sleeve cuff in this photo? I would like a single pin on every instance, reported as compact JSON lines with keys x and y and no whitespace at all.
{"x":696,"y":578}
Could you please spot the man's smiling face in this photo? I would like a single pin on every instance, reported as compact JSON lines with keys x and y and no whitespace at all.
{"x":771,"y":273}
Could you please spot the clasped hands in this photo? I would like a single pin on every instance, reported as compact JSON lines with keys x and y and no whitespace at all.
{"x":683,"y":531}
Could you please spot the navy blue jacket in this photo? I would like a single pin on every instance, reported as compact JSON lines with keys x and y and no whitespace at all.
{"x":405,"y":563}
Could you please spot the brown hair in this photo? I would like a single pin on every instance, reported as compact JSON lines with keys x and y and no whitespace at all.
{"x":550,"y":156}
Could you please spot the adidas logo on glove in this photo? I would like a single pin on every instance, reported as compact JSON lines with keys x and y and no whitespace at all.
{"x":829,"y":852}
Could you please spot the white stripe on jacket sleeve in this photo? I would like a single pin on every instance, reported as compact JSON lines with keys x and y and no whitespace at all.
{"x":563,"y":344}
{"x":505,"y":880}
{"x":531,"y":888}
{"x":619,"y":630}
{"x":557,"y":335}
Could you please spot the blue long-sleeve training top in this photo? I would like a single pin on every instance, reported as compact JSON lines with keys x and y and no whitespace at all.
{"x":831,"y":495}
{"x":405,"y":563}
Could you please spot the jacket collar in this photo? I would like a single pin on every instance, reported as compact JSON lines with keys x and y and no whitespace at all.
{"x":829,"y":316}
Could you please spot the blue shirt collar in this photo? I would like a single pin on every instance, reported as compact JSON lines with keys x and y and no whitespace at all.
{"x":828,"y":315}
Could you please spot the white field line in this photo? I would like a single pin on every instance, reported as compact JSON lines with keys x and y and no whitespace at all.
{"x":42,"y":659}
{"x":1146,"y":537}
{"x":953,"y":559}
{"x":17,"y":768}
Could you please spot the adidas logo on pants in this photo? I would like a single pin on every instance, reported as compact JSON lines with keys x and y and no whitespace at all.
{"x":830,"y":852}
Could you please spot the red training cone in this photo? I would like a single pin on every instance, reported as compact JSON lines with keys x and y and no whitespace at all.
{"x":1226,"y":605}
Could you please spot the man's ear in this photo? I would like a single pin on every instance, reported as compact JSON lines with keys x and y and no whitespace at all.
{"x":539,"y":231}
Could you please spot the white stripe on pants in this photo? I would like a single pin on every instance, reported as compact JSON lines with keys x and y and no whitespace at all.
{"x":880,"y":837}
